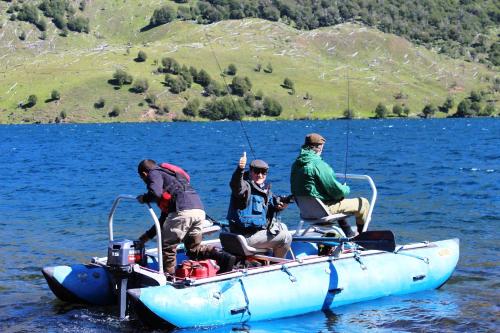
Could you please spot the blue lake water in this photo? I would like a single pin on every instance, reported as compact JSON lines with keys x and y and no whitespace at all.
{"x":436,"y":179}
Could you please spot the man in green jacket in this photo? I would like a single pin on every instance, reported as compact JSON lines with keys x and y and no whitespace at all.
{"x":311,"y":176}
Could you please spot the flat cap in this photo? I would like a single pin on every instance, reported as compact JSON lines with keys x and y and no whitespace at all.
{"x":314,"y":139}
{"x":259,"y":164}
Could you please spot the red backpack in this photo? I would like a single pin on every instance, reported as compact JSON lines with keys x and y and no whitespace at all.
{"x":166,"y":197}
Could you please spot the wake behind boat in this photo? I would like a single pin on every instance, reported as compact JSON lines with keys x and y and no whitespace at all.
{"x":323,"y":270}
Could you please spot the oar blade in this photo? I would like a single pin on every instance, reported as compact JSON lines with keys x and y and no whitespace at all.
{"x":382,"y":240}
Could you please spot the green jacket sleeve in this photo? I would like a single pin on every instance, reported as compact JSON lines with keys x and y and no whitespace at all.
{"x":331,"y":187}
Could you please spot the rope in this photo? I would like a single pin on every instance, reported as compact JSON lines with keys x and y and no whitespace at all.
{"x":229,"y":93}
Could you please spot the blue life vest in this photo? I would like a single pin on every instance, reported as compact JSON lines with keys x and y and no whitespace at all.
{"x":254,"y":215}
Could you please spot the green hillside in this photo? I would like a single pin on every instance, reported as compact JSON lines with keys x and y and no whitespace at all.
{"x":382,"y":68}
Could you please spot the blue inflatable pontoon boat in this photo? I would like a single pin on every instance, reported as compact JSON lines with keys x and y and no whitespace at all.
{"x":310,"y":279}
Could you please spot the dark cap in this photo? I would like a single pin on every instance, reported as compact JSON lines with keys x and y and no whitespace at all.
{"x":259,"y":164}
{"x":314,"y":139}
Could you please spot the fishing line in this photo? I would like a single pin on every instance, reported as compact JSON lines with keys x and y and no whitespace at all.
{"x":229,"y":93}
{"x":348,"y":127}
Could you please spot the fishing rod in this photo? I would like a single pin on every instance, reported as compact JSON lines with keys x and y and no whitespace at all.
{"x":348,"y":126}
{"x":229,"y":93}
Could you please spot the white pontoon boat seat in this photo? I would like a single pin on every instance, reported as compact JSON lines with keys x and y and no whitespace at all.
{"x":314,"y":211}
{"x":207,"y":227}
{"x":237,"y":245}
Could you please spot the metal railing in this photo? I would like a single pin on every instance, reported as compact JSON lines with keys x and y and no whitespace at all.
{"x":154,"y":217}
{"x":373,"y":198}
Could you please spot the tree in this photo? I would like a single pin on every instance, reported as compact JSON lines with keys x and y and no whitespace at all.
{"x":258,"y":67}
{"x":231,"y":69}
{"x":272,"y":107}
{"x":62,"y":114}
{"x":141,"y":56}
{"x":429,"y":110}
{"x":162,"y":15}
{"x":191,"y":108}
{"x":380,"y":111}
{"x":55,"y":95}
{"x":397,"y":110}
{"x":22,"y":36}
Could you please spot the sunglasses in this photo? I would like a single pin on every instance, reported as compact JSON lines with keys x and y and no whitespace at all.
{"x":259,"y":170}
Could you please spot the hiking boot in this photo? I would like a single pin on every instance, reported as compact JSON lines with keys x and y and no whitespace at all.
{"x":346,"y":228}
{"x":225,"y":261}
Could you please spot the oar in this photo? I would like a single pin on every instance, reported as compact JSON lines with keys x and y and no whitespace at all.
{"x":382,"y":240}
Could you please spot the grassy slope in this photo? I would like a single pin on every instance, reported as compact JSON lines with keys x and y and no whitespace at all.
{"x":79,"y":66}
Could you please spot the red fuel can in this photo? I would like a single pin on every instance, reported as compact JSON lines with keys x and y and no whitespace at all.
{"x":196,"y":269}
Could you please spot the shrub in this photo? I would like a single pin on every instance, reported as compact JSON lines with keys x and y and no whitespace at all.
{"x":269,"y":68}
{"x":59,"y":21}
{"x":203,"y":78}
{"x":349,"y":114}
{"x":380,"y":111}
{"x":78,"y":24}
{"x":447,"y":105}
{"x":63,"y":115}
{"x":272,"y":107}
{"x":32,"y":99}
{"x":288,"y":84}
{"x":191,"y":108}
{"x":22,"y":36}
{"x":140,"y":86}
{"x":100,"y":103}
{"x":463,"y":109}
{"x":28,"y":13}
{"x":489,"y":110}
{"x":151,"y":99}
{"x":162,"y":110}
{"x":115,"y":112}
{"x":429,"y":110}
{"x":55,"y":95}
{"x":141,"y":56}
{"x":259,"y":95}
{"x":397,"y":110}
{"x":121,"y":77}
{"x":162,"y":15}
{"x":240,"y":86}
{"x":231,"y":69}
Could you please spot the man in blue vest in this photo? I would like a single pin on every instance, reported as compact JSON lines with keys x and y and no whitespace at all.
{"x":253,"y":207}
{"x":181,"y":217}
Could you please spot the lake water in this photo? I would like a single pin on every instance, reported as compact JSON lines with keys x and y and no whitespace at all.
{"x":436,"y":179}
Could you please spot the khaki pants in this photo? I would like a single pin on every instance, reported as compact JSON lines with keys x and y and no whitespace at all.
{"x":183,"y":226}
{"x":359,"y":207}
{"x":277,"y":238}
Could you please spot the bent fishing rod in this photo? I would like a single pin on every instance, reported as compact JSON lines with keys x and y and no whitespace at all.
{"x":229,"y":93}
